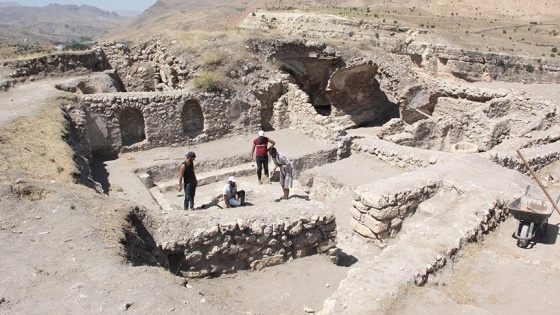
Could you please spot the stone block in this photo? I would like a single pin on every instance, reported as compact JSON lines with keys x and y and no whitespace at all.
{"x":360,"y":206}
{"x":376,"y":226}
{"x":296,"y":229}
{"x":356,"y":214}
{"x":361,"y":229}
{"x":383,"y":214}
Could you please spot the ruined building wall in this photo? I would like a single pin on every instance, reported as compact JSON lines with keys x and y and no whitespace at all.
{"x":57,"y":65}
{"x":483,"y":66}
{"x":147,"y":68}
{"x":131,"y":121}
{"x":246,"y":244}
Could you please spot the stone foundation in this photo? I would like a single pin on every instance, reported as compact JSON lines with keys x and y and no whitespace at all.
{"x":244,"y":243}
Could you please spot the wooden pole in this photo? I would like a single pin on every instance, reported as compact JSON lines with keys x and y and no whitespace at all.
{"x":538,"y":181}
{"x":424,"y":114}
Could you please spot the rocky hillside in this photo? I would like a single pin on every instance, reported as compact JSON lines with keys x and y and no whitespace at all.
{"x":53,"y":23}
{"x":520,"y":27}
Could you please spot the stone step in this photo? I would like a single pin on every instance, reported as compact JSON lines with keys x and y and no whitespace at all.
{"x":210,"y":177}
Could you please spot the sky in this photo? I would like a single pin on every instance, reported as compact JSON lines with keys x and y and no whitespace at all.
{"x":133,"y":5}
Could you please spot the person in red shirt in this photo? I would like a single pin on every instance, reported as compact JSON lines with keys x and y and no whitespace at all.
{"x":260,"y":145}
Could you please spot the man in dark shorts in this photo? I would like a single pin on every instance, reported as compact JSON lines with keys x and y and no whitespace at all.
{"x":260,"y":145}
{"x":188,"y":179}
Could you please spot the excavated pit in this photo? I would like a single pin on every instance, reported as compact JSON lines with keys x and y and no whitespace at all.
{"x":214,"y":240}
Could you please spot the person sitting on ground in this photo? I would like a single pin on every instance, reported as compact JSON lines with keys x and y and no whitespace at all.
{"x":232,"y":197}
{"x":188,"y":179}
{"x":261,"y":146}
{"x":286,"y":178}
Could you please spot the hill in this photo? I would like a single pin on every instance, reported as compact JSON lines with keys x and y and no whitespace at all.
{"x":54,"y":23}
{"x":523,"y":26}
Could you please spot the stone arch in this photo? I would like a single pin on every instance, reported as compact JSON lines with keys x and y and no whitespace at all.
{"x":356,"y":92}
{"x":192,"y":118}
{"x":132,"y":126}
{"x":312,"y":75}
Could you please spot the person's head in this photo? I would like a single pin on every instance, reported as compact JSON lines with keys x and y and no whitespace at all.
{"x":272,"y":151}
{"x":190,"y":156}
{"x":232,"y":181}
{"x":260,"y":133}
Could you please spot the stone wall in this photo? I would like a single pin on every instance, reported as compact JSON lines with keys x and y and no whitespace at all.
{"x":54,"y":65}
{"x":482,"y":117}
{"x":245,"y":243}
{"x":380,"y":208}
{"x":147,"y":68}
{"x":404,"y":157}
{"x":538,"y":157}
{"x":380,"y":214}
{"x":153,"y":120}
{"x":483,"y":66}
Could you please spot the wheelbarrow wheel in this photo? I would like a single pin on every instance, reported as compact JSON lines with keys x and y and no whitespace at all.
{"x":523,"y":235}
{"x":544,"y":226}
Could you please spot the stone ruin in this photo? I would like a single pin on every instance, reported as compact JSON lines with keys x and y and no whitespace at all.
{"x":443,"y":135}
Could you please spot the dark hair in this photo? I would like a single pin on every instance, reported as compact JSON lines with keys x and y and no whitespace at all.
{"x":272,"y":150}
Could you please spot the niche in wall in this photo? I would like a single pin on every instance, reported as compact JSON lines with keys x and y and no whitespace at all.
{"x":192,"y":119}
{"x":132,"y":126}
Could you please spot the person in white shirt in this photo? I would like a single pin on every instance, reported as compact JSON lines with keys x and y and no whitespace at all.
{"x":286,"y":176}
{"x":232,"y":197}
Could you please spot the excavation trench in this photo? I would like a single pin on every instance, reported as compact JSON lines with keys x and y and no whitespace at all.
{"x":214,"y":240}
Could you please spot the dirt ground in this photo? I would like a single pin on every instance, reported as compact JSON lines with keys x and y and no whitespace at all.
{"x":495,"y":276}
{"x":59,"y":253}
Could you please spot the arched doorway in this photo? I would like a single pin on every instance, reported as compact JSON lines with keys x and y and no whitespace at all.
{"x":192,"y":119}
{"x":132,"y":126}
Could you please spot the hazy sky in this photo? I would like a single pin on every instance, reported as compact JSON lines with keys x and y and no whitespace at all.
{"x":134,"y":5}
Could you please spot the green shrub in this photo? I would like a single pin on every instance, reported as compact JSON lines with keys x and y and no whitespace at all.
{"x":76,"y":46}
{"x":554,"y":49}
{"x":529,"y":68}
{"x":209,"y":82}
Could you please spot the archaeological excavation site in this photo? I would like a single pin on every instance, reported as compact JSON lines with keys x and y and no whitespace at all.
{"x":403,"y":153}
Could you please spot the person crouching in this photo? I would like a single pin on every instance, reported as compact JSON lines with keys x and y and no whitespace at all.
{"x":232,"y":197}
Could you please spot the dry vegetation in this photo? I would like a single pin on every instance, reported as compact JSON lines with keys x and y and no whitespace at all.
{"x":469,"y":24}
{"x":33,"y":148}
{"x":219,"y":58}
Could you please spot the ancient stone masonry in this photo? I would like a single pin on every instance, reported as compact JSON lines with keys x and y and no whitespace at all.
{"x":148,"y":67}
{"x":482,"y":66}
{"x":539,"y":151}
{"x":132,"y":121}
{"x":408,"y":158}
{"x":248,"y":243}
{"x":60,"y":64}
{"x":378,"y":209}
{"x":480,"y":117}
{"x":379,"y":214}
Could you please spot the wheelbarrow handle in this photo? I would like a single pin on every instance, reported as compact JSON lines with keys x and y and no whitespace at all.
{"x":538,"y":181}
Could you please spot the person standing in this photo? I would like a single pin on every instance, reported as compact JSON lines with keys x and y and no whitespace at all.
{"x":187,"y":180}
{"x":260,"y":145}
{"x":286,"y":178}
{"x":232,"y":197}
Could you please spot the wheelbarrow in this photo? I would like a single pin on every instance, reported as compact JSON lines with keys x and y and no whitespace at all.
{"x":532,"y":216}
